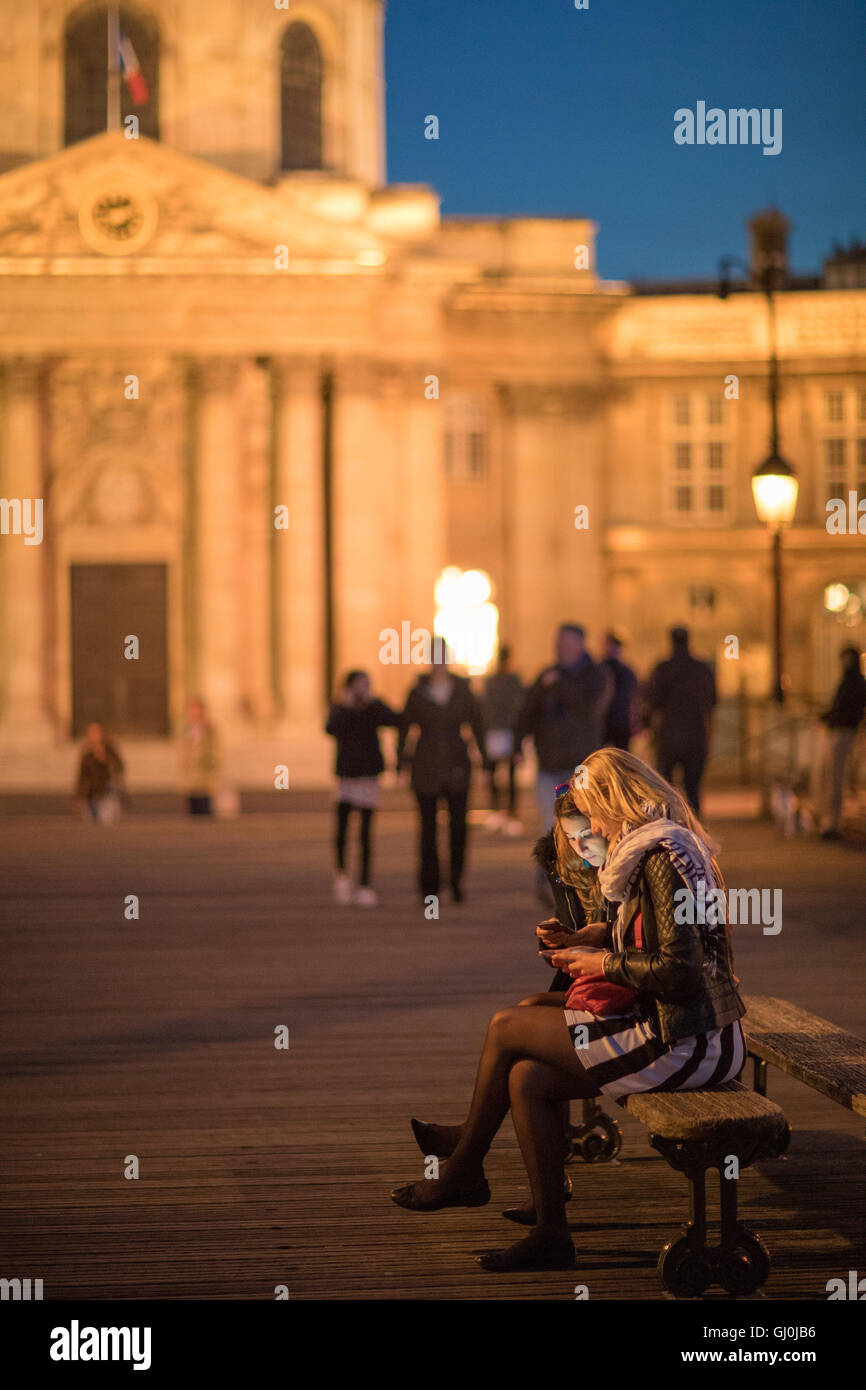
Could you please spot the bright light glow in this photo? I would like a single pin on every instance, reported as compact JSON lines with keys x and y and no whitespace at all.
{"x":371,"y":258}
{"x":775,"y":497}
{"x":836,"y":598}
{"x":468,"y":623}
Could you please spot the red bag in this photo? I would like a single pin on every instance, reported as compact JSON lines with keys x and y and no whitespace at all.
{"x":596,"y":994}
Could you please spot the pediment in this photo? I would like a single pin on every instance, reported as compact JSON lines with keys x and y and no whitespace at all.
{"x":137,"y":199}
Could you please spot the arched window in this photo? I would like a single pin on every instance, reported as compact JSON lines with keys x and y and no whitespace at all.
{"x":86,"y":71}
{"x":301,"y":98}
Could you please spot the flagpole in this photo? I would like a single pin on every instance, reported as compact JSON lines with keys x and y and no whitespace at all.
{"x":112,"y":113}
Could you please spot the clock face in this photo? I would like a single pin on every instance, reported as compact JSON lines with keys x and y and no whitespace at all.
{"x":118,"y":215}
{"x":117,"y":220}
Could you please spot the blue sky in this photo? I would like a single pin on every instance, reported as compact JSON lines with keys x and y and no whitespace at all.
{"x":545,"y":109}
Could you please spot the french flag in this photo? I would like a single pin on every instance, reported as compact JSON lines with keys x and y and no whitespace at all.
{"x":132,"y":72}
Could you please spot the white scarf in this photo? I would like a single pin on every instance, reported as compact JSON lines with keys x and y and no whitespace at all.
{"x":690,"y":857}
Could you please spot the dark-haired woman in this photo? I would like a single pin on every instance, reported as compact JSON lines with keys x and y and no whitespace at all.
{"x":354,"y":721}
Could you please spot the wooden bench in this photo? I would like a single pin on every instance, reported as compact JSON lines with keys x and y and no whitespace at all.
{"x":806,"y":1047}
{"x":697,"y":1130}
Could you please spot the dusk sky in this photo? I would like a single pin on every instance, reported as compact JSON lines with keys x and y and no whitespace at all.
{"x":545,"y":109}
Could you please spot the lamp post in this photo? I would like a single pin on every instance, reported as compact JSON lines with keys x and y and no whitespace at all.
{"x":774,"y":483}
{"x":774,"y":488}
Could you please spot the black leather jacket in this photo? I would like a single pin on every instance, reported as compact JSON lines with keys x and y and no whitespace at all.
{"x":676,"y":989}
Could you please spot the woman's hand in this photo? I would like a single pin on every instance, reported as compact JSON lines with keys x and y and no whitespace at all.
{"x":551,"y":934}
{"x":594,"y":934}
{"x":582,"y":961}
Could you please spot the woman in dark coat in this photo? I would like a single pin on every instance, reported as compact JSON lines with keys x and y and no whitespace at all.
{"x":99,"y":787}
{"x":354,"y":721}
{"x":440,"y":704}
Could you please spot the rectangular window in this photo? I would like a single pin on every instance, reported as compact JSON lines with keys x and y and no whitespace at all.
{"x":465,"y":439}
{"x":702,"y":596}
{"x":698,"y":460}
{"x":833,"y":405}
{"x":834,"y":468}
{"x":475,"y":458}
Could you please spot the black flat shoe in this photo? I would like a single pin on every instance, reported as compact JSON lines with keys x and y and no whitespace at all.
{"x":439,"y":1140}
{"x":526,"y":1256}
{"x":527,"y":1216}
{"x":405,"y":1197}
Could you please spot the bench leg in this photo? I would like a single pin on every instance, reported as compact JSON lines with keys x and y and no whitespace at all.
{"x":598,"y":1139}
{"x":687,"y":1266}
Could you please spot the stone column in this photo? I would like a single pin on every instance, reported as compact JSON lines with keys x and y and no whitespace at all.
{"x":421,"y":499}
{"x":24,"y":623}
{"x":299,"y":553}
{"x":388,"y":513}
{"x":218,"y":536}
{"x":360,"y":506}
{"x":553,"y":570}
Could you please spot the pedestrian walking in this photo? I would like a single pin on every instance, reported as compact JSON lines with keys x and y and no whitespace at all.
{"x":619,"y":723}
{"x":681,"y":697}
{"x":100,"y":786}
{"x":501,"y":704}
{"x":354,"y":721}
{"x":842,"y":719}
{"x":564,"y":713}
{"x":199,"y":760}
{"x":440,"y":704}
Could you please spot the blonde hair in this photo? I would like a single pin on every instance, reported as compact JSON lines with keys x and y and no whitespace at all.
{"x":613,"y":785}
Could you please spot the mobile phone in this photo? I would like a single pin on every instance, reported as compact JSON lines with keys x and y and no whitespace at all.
{"x":562,"y":927}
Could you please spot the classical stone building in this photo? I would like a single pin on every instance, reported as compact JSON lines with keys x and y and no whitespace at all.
{"x":219,"y":316}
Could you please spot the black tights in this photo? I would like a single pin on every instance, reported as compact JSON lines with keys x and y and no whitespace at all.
{"x":528,"y":1066}
{"x":344,"y":811}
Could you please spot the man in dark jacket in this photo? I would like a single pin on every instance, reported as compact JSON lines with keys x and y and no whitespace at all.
{"x":618,"y":725}
{"x":439,"y":707}
{"x":843,"y":719}
{"x":501,"y":704}
{"x":681,"y":697}
{"x":564,"y":714}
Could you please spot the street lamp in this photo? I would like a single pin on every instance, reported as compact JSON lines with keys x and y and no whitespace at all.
{"x":774,"y":483}
{"x":774,"y":488}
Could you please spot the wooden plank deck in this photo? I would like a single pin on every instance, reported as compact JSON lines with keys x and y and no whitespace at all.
{"x":260,"y":1167}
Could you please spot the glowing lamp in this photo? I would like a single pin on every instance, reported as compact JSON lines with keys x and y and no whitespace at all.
{"x":836,"y":598}
{"x":774,"y":488}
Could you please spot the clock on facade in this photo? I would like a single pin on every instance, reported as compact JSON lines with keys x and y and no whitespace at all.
{"x":117,"y":220}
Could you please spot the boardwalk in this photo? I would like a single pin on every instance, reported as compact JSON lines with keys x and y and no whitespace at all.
{"x":261,"y":1167}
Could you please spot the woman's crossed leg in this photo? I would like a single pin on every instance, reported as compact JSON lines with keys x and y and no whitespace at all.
{"x":527,"y":1064}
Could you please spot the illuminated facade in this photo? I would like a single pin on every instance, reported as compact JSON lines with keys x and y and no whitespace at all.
{"x":232,"y":321}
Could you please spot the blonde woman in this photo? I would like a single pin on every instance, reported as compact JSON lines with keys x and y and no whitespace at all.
{"x":680,"y":1022}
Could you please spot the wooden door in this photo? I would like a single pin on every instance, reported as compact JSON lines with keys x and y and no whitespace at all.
{"x":109,"y":604}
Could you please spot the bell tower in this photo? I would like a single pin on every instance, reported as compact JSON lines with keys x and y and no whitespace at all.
{"x":269,"y":91}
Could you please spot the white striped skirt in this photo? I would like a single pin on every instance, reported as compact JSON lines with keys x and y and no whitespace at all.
{"x":623,"y":1055}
